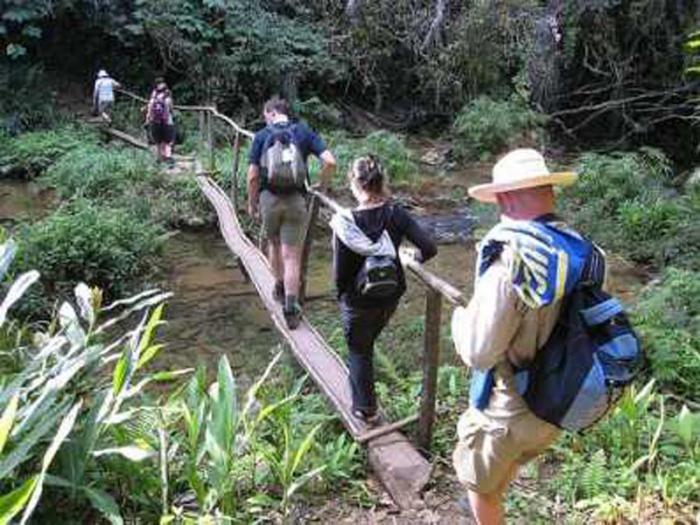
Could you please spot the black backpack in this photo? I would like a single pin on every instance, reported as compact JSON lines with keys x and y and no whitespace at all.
{"x":378,"y":277}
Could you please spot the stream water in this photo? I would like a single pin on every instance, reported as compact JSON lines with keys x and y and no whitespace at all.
{"x":214,"y":311}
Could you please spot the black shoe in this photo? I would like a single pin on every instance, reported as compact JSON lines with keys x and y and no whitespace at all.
{"x":292,"y":316}
{"x":371,"y":418}
{"x":278,"y":292}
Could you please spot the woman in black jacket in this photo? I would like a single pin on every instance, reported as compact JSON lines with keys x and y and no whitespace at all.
{"x":369,"y":277}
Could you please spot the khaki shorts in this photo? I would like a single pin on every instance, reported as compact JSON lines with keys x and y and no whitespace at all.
{"x":105,"y":106}
{"x":489,"y":452}
{"x":283,"y":217}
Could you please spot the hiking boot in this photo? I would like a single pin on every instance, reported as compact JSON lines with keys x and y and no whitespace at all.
{"x":278,"y":292}
{"x":369,"y":417}
{"x":292,"y":314}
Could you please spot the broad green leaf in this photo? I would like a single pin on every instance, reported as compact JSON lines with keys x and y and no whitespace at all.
{"x":304,"y":479}
{"x":153,"y":322}
{"x":70,"y":323}
{"x":105,"y":504}
{"x":169,"y":375}
{"x":8,"y":249}
{"x":253,"y":390}
{"x":83,"y":296}
{"x":31,"y":31}
{"x":685,"y":425}
{"x":22,"y":449}
{"x":131,"y":300}
{"x":19,"y":286}
{"x":304,"y":447}
{"x":14,"y":51}
{"x":148,"y":354}
{"x":7,"y":420}
{"x":131,"y":452}
{"x":150,"y":301}
{"x":645,"y":393}
{"x":120,"y":371}
{"x":61,"y":434}
{"x":11,"y":504}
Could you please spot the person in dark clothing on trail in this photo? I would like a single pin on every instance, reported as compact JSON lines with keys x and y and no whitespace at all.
{"x":277,"y":183}
{"x":160,"y":119}
{"x":369,"y":277}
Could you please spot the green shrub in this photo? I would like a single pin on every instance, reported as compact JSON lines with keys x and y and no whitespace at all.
{"x":30,"y":154}
{"x":318,"y":113}
{"x":484,"y":127}
{"x":99,"y":173}
{"x":625,"y":202}
{"x":391,"y":148}
{"x":27,"y":101}
{"x":129,"y":179}
{"x":82,"y":241}
{"x":668,"y":319}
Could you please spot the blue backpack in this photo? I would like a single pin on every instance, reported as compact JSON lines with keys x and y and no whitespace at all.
{"x":588,"y":360}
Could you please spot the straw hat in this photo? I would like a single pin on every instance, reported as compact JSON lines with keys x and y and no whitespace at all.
{"x":520,"y":169}
{"x":102,"y":73}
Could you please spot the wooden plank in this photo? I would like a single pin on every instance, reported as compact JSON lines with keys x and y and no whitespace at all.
{"x":312,"y":214}
{"x":133,"y":141}
{"x":431,"y":358}
{"x":398,"y":465}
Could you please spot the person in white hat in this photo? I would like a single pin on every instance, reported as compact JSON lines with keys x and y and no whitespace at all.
{"x":508,"y":318}
{"x":103,"y":95}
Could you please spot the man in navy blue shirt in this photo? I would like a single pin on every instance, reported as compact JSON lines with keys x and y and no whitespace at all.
{"x":283,"y":208}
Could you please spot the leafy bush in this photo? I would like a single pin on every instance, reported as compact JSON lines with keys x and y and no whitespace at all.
{"x":643,"y":442}
{"x":66,"y":405}
{"x":624,"y":201}
{"x":128,"y":179}
{"x":26,"y":99}
{"x":85,"y":242}
{"x":30,"y":154}
{"x":318,"y":113}
{"x":99,"y":173}
{"x":668,"y":318}
{"x":391,"y":148}
{"x":485,"y":127}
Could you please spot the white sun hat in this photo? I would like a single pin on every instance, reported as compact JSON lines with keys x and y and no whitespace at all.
{"x":102,"y":73}
{"x":520,"y":169}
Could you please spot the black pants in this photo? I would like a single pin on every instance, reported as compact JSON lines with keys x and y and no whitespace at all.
{"x":361,"y":327}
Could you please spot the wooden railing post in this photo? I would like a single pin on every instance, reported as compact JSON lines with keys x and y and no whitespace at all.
{"x":210,"y":140}
{"x":234,"y":170}
{"x":314,"y":205}
{"x":431,"y":358}
{"x":202,"y":129}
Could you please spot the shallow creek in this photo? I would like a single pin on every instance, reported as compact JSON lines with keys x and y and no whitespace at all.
{"x":214,"y":311}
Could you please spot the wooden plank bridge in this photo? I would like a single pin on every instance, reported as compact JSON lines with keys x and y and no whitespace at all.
{"x":401,"y":468}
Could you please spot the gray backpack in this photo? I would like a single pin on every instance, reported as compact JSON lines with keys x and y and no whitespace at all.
{"x":283,"y":166}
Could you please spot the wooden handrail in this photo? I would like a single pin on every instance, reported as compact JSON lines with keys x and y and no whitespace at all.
{"x":209,"y":109}
{"x":432,"y":281}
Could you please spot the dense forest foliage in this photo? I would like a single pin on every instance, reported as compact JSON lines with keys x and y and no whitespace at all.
{"x":90,"y":430}
{"x":601,"y":71}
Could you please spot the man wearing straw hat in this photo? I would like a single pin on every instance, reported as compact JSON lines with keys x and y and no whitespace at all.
{"x":517,"y":297}
{"x":103,"y":95}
